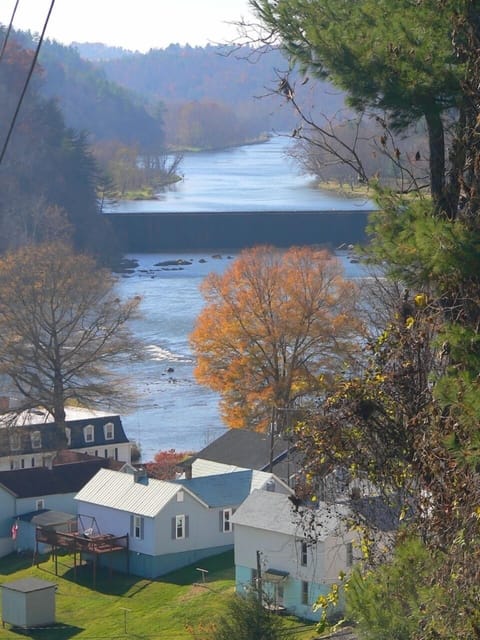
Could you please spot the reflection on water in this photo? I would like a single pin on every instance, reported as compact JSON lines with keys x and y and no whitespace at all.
{"x":258,"y":177}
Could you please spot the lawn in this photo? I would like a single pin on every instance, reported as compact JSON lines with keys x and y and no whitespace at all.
{"x":174,"y":607}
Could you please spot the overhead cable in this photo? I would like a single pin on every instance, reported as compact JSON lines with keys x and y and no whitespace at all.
{"x":27,"y":81}
{"x":4,"y":44}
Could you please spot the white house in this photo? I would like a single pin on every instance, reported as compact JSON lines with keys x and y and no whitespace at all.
{"x":31,"y":440}
{"x":170,"y":524}
{"x":296,"y":564}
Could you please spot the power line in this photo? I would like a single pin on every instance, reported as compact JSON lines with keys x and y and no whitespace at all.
{"x":7,"y":35}
{"x":27,"y":81}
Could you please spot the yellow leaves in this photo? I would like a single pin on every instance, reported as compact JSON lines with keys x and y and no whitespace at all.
{"x":409,"y":322}
{"x":421,"y":300}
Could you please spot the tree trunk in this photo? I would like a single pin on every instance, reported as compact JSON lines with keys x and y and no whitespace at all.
{"x":436,"y":139}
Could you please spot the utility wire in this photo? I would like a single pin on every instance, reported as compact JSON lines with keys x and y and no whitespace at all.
{"x":9,"y":29}
{"x":27,"y":81}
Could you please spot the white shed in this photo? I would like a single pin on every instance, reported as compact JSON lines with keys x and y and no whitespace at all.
{"x":28,"y":602}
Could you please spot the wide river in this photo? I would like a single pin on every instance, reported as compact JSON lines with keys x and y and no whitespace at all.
{"x":173,"y":412}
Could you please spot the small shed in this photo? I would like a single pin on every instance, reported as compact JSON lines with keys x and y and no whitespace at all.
{"x":28,"y":602}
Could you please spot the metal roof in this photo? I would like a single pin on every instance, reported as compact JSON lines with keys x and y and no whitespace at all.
{"x":275,"y":512}
{"x":121,"y":491}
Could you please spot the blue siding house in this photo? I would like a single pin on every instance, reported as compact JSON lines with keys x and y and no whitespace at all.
{"x":170,"y":524}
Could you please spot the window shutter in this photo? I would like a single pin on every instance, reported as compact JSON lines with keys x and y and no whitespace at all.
{"x":174,"y":531}
{"x":141,"y":528}
{"x":186,"y":526}
{"x":220,"y":523}
{"x":131,"y":526}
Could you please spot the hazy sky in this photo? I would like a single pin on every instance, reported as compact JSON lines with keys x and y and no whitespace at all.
{"x":132,"y":24}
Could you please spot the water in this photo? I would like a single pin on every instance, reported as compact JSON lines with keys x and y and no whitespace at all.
{"x":173,"y":411}
{"x":256,"y":177}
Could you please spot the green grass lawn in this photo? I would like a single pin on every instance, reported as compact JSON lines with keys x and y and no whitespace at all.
{"x":173,"y":607}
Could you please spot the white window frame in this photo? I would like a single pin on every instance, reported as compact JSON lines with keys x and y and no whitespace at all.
{"x":39,"y":504}
{"x":137,"y":527}
{"x":180,"y":527}
{"x":227,"y":520}
{"x":89,"y":433}
{"x":109,"y":431}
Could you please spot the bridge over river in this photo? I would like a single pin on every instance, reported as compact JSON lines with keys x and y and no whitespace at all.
{"x":151,"y":232}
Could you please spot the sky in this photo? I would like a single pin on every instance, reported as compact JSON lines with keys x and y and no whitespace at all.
{"x":138,"y":25}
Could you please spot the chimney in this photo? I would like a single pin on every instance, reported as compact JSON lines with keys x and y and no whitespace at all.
{"x":140,"y":476}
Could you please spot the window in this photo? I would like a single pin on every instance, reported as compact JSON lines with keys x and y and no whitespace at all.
{"x":22,"y":463}
{"x":40,"y":504}
{"x":36,"y":439}
{"x":105,"y":453}
{"x":88,"y":433}
{"x":304,"y":592}
{"x":109,"y":431}
{"x":33,"y":462}
{"x":68,"y":436}
{"x":136,"y":527}
{"x":304,"y":554}
{"x":226,"y":520}
{"x":349,"y":554}
{"x":15,"y":441}
{"x":180,"y":496}
{"x":179,"y":527}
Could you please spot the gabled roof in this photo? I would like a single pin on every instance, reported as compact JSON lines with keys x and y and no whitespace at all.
{"x":122,"y":491}
{"x":41,"y":481}
{"x":244,"y":448}
{"x":227,"y":489}
{"x":272,"y":511}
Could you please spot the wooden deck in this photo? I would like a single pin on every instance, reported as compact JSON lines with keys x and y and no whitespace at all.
{"x":92,"y":545}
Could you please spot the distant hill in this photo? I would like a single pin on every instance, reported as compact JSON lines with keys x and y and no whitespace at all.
{"x":181,"y":96}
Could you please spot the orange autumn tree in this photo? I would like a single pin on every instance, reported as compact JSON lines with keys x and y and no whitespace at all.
{"x":275,"y":327}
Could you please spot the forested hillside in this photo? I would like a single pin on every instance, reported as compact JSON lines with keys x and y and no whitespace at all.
{"x":90,"y":102}
{"x":213,"y":95}
{"x":48,"y":181}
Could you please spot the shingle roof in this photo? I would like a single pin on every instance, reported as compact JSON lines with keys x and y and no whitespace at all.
{"x":76,"y":420}
{"x":273,"y":511}
{"x":243,"y":448}
{"x":41,"y":481}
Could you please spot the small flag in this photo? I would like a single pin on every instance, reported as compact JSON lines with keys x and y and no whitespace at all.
{"x":14,"y":530}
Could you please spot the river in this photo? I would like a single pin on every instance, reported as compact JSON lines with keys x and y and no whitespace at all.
{"x":257,"y":177}
{"x":173,"y":411}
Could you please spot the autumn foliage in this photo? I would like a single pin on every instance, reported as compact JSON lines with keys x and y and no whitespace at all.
{"x":275,"y":326}
{"x":165,"y":463}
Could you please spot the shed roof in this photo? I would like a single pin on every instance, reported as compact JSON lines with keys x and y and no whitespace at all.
{"x":47,"y":518}
{"x":27,"y":585}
